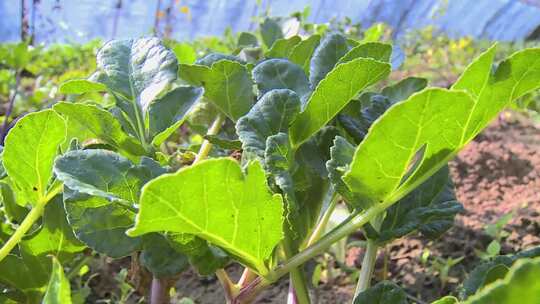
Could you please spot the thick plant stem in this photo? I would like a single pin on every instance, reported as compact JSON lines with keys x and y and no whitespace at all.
{"x":247,"y":277}
{"x":321,"y":226}
{"x":368,"y":265}
{"x":27,"y":223}
{"x":159,"y":293}
{"x":298,"y":285}
{"x":206,"y":145}
{"x":228,"y":286}
{"x":29,"y":220}
{"x":341,"y":231}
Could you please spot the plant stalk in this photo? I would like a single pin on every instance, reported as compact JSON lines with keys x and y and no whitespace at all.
{"x":370,"y":257}
{"x":297,"y":285}
{"x":228,"y":286}
{"x":368,"y":265}
{"x":9,"y":110}
{"x":35,"y":213}
{"x":160,"y":291}
{"x":247,"y":277}
{"x":206,"y":145}
{"x":339,"y":232}
{"x":321,"y":226}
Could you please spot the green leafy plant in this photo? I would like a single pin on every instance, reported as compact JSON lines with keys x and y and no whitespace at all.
{"x":313,"y":126}
{"x":497,"y":233}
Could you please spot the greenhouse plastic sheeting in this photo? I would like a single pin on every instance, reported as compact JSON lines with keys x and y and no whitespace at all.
{"x":81,"y":20}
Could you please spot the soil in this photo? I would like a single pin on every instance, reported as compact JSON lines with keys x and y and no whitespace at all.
{"x":497,"y":173}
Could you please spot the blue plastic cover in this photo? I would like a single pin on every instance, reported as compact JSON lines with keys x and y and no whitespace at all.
{"x":81,"y":20}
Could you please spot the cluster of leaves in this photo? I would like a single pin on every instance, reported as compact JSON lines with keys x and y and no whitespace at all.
{"x":308,"y":123}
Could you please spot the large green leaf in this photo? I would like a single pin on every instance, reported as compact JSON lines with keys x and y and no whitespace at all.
{"x":55,"y":235}
{"x":302,"y":52}
{"x":217,"y":202}
{"x":278,"y":164}
{"x":247,"y":39}
{"x":341,"y":155}
{"x":282,"y":48}
{"x":184,"y":52}
{"x":373,"y":105}
{"x":101,"y":189}
{"x":137,"y":69}
{"x":437,"y":123}
{"x":272,"y":114}
{"x":403,"y":89}
{"x":226,"y":83}
{"x":327,"y":54}
{"x":334,"y":92}
{"x":89,"y":122}
{"x":430,"y":209}
{"x":13,"y":211}
{"x":384,"y":292}
{"x":480,"y":275}
{"x":204,"y":257}
{"x":58,"y":290}
{"x":375,"y":50}
{"x":311,"y":184}
{"x":212,"y":58}
{"x":100,"y":224}
{"x":160,"y":258}
{"x":270,"y":31}
{"x":166,"y":114}
{"x":81,"y":86}
{"x":31,"y":146}
{"x":280,"y":74}
{"x":102,"y":173}
{"x":520,"y":286}
{"x":26,"y":273}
